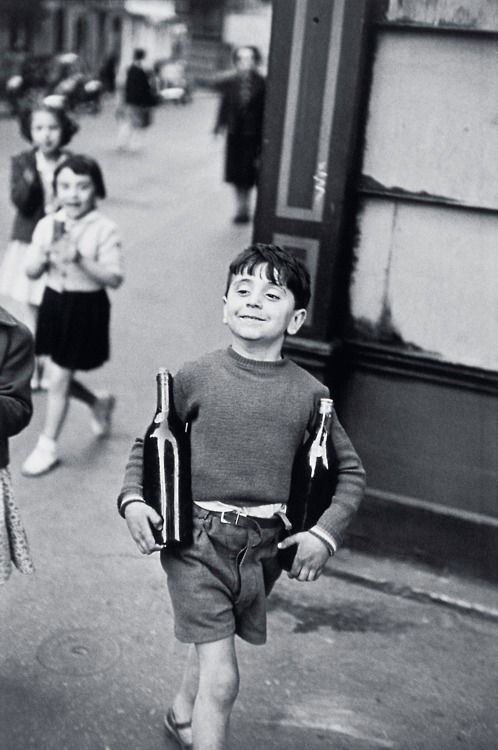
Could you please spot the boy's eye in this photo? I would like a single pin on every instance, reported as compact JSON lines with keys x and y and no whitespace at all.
{"x":272,"y":295}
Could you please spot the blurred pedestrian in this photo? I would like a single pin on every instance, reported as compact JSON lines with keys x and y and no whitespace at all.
{"x":16,"y":368}
{"x":80,"y":250}
{"x":139,"y":99}
{"x":108,"y":70}
{"x":49,"y":129}
{"x":240,"y":116}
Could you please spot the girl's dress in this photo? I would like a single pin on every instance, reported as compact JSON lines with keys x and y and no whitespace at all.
{"x":74,"y":316}
{"x":241,"y":113}
{"x":16,"y":367}
{"x":33,"y":199}
{"x":14,"y":547}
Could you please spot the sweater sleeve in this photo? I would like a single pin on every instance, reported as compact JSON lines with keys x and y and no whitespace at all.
{"x":110,"y":254}
{"x":350,"y":486}
{"x":26,"y":193}
{"x":132,"y":480}
{"x":15,"y":374}
{"x":132,"y":485}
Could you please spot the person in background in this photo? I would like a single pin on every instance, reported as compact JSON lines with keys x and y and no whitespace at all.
{"x":108,"y":70}
{"x":16,"y":368}
{"x":80,"y":250}
{"x":49,"y":129}
{"x":240,"y":117}
{"x":139,"y":99}
{"x":249,"y":409}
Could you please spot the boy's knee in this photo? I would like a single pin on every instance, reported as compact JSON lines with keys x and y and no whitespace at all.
{"x":223,"y":686}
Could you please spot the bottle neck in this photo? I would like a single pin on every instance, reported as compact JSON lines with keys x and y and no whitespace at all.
{"x":163,"y":380}
{"x":324,"y":425}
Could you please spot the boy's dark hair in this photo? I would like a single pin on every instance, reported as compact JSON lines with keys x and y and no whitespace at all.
{"x":282,"y":267}
{"x":67,"y":125}
{"x":84,"y":165}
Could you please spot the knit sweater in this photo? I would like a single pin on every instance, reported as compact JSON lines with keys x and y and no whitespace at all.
{"x":247,"y":420}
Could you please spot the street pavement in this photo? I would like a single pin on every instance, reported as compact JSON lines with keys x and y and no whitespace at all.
{"x":378,"y":653}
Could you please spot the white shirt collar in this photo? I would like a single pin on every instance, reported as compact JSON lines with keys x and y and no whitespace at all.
{"x":88,"y":218}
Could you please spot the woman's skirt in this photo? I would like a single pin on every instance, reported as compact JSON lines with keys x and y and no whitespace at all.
{"x":14,"y":548}
{"x":73,"y":328}
{"x":241,"y":160}
{"x":14,"y":282}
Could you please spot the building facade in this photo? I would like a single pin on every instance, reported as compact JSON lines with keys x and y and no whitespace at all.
{"x":378,"y":169}
{"x":90,"y":28}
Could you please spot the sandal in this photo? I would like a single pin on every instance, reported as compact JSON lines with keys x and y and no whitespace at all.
{"x":173,"y":727}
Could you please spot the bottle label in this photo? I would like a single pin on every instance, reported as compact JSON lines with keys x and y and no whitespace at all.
{"x":318,"y":452}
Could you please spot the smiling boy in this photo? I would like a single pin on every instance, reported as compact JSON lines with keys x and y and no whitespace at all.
{"x":249,"y":409}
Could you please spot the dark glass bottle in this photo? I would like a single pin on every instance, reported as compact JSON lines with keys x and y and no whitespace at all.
{"x":314,"y":478}
{"x":166,"y":468}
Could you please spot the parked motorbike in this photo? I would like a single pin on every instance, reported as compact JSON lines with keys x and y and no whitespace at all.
{"x":62,"y":76}
{"x":173,"y":82}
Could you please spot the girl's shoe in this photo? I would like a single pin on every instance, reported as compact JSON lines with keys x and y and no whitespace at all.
{"x":173,"y":727}
{"x":42,"y":459}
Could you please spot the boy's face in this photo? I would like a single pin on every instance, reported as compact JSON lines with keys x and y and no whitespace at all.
{"x":259,"y":311}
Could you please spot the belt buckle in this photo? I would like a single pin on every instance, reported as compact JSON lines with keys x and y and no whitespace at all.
{"x":222,"y":517}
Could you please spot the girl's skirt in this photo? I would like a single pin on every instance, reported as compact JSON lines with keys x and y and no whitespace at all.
{"x":14,"y":282}
{"x":241,"y":160}
{"x":73,"y":328}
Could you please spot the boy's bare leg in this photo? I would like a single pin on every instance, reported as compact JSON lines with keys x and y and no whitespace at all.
{"x":183,"y":704}
{"x":216,"y":694}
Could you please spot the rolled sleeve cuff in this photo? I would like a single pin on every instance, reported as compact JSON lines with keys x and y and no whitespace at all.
{"x":126,"y":499}
{"x":326,"y":538}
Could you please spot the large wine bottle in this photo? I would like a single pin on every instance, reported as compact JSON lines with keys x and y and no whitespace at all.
{"x":314,"y":478}
{"x":166,"y":468}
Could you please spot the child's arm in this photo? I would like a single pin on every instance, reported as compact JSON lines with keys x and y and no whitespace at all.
{"x":132,"y":506}
{"x":25,"y":190}
{"x":314,"y":547}
{"x":15,"y":375}
{"x":38,"y":255}
{"x":107,"y":267}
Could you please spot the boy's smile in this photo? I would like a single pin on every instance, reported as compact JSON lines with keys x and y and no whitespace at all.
{"x":259,"y":312}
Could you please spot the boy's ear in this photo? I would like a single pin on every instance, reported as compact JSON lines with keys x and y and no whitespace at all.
{"x":297,"y":320}
{"x":224,"y":319}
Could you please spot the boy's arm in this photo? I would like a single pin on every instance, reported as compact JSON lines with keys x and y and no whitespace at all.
{"x":322,"y":540}
{"x":131,"y":489}
{"x":349,"y":490}
{"x":131,"y":504}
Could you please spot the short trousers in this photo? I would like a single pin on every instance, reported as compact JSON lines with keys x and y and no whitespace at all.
{"x":219,"y":584}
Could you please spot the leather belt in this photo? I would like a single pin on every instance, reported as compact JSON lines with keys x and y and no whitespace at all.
{"x":234,"y":518}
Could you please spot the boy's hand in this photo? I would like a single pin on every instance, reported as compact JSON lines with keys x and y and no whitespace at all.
{"x":311,"y":556}
{"x":139,"y":518}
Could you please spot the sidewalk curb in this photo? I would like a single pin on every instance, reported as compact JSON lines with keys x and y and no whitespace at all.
{"x":415,"y":594}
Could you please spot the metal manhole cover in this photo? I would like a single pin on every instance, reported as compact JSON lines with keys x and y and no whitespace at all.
{"x":78,"y":652}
